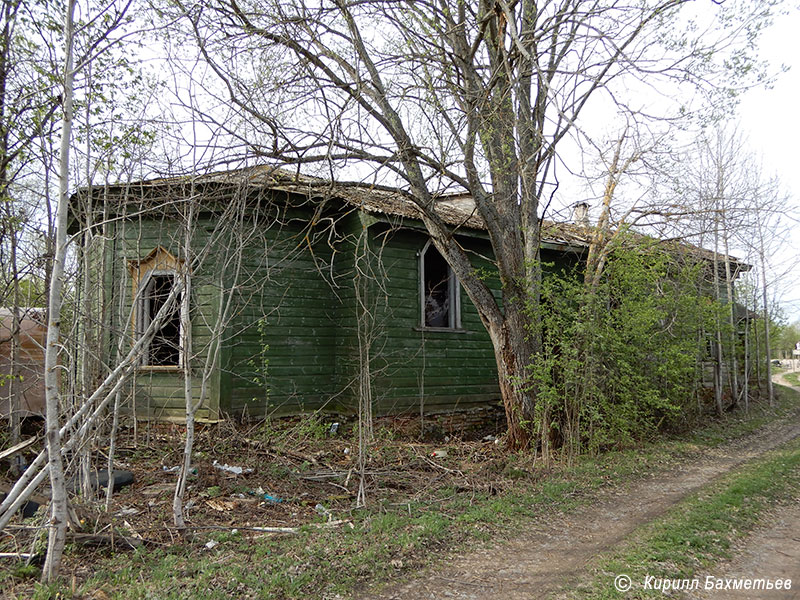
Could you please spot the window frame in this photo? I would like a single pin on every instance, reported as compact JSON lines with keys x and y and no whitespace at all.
{"x":144,"y":317}
{"x":157,"y":262}
{"x":453,"y":292}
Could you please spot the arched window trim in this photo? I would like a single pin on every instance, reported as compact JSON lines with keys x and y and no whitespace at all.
{"x":453,"y":291}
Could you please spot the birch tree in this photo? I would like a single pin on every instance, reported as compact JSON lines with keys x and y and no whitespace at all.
{"x":732,"y":208}
{"x":58,"y":501}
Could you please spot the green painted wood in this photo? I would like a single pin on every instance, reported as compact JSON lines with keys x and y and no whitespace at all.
{"x":303,"y":284}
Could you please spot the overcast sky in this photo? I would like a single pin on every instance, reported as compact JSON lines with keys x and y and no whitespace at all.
{"x":771,"y":119}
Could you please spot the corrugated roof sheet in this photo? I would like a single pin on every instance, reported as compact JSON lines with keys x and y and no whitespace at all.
{"x":457,"y":210}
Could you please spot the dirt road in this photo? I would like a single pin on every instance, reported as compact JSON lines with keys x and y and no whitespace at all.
{"x":553,"y":556}
{"x":771,"y":552}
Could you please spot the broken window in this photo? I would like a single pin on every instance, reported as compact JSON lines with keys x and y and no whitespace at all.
{"x":438,"y":290}
{"x":164,"y":349}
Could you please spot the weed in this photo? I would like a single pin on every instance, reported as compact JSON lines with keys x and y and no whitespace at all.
{"x":25,"y":571}
{"x":214,"y":491}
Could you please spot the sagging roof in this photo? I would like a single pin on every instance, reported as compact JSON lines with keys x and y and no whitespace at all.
{"x":457,"y":210}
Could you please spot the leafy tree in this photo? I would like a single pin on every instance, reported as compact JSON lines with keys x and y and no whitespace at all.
{"x":456,"y":95}
{"x":784,"y":339}
{"x":620,"y":359}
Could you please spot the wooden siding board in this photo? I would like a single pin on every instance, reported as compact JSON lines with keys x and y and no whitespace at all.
{"x":305,"y":293}
{"x":298,"y":339}
{"x":441,"y":369}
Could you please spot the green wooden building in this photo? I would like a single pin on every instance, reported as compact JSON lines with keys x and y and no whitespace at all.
{"x":304,"y":295}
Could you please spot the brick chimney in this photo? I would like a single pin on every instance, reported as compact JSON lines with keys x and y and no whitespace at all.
{"x":580,"y":214}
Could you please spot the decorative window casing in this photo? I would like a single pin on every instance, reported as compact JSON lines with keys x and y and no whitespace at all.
{"x":440,"y":303}
{"x":154,"y":278}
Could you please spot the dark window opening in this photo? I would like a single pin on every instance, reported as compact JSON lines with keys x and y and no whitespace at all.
{"x":437,"y":289}
{"x":164,"y":349}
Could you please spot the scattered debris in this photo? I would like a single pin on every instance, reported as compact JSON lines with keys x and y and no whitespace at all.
{"x":221,"y":505}
{"x":99,"y":479}
{"x":324,"y":512}
{"x":334,"y":428}
{"x":265,"y":496}
{"x":231,"y":469}
{"x":299,"y":484}
{"x":176,"y":469}
{"x":211,"y":544}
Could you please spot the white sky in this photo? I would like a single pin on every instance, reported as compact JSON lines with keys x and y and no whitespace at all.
{"x":771,"y":119}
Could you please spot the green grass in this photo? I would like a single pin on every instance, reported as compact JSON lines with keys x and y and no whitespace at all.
{"x":792,"y":377}
{"x":387,"y":542}
{"x":700,"y":531}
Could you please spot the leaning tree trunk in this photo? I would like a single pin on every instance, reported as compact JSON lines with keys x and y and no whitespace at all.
{"x":513,"y":350}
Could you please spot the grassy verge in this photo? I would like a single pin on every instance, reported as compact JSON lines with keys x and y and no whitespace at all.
{"x":793,"y":377}
{"x":700,"y":531}
{"x":386,"y":541}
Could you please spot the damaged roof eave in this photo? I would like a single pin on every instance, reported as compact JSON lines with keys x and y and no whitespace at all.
{"x":370,"y":218}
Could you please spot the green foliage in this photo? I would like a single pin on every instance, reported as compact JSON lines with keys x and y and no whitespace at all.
{"x":621,"y":360}
{"x":284,"y":434}
{"x":26,"y":571}
{"x":783,"y":339}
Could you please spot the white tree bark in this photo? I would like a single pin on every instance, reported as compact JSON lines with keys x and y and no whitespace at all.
{"x":58,"y":510}
{"x":84,"y":419}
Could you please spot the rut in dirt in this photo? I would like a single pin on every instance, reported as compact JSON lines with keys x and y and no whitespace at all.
{"x":553,"y":555}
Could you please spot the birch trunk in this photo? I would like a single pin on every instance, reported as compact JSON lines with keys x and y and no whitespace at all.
{"x":186,"y":357}
{"x":83,"y":419}
{"x":58,"y":512}
{"x":770,"y":389}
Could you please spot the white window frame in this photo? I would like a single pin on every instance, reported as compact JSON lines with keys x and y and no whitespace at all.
{"x":143,"y":317}
{"x":453,"y":291}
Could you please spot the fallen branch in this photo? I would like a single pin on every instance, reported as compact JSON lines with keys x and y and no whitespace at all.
{"x":17,"y":448}
{"x":442,"y":467}
{"x":285,"y":530}
{"x":20,"y":555}
{"x":323,"y":475}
